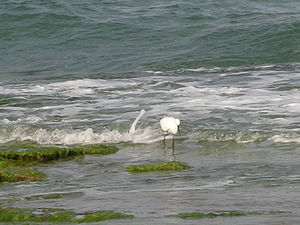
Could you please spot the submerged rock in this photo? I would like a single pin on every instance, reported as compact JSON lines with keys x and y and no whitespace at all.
{"x":48,"y":153}
{"x":11,"y":172}
{"x":54,"y":215}
{"x":16,"y":215}
{"x":53,"y":196}
{"x":10,"y":214}
{"x":202,"y":215}
{"x":15,"y":157}
{"x":165,"y":166}
{"x":103,"y":215}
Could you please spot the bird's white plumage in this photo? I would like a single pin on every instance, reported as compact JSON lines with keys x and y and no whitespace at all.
{"x":169,"y":125}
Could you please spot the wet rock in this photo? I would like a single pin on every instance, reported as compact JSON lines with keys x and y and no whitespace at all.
{"x":165,"y":166}
{"x":12,"y":172}
{"x":10,"y":214}
{"x":21,"y":152}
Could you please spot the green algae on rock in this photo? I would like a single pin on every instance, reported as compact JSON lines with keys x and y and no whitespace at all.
{"x":99,"y":149}
{"x":53,"y":196}
{"x":166,"y":166}
{"x":44,"y":197}
{"x":201,"y":215}
{"x":16,"y":215}
{"x":10,"y":214}
{"x":103,"y":215}
{"x":56,"y":215}
{"x":10,"y":172}
{"x":14,"y":157}
{"x":27,"y":152}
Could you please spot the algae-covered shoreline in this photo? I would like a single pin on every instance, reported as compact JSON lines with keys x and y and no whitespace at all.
{"x":81,"y":190}
{"x":11,"y":171}
{"x":54,"y":215}
{"x":19,"y":162}
{"x":16,"y":160}
{"x":30,"y":152}
{"x":211,"y":215}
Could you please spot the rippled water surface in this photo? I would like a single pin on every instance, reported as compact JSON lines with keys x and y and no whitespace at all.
{"x":74,"y":72}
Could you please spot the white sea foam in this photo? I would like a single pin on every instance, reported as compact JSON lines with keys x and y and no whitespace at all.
{"x":286,"y":138}
{"x":154,"y":72}
{"x":6,"y":121}
{"x":29,"y":119}
{"x":204,"y":69}
{"x":262,"y":98}
{"x":265,"y":68}
{"x":141,"y":135}
{"x":71,"y":88}
{"x":236,"y":136}
{"x":291,"y":178}
{"x":70,"y":137}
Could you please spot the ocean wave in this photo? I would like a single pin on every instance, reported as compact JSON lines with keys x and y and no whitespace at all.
{"x":238,"y":70}
{"x":28,"y":120}
{"x":72,"y":88}
{"x":71,"y":136}
{"x":246,"y":137}
{"x":286,"y":138}
{"x":146,"y":135}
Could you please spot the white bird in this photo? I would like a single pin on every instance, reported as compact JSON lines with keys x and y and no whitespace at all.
{"x":170,"y":126}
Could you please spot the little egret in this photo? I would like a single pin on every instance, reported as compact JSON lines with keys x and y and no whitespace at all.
{"x":170,"y":126}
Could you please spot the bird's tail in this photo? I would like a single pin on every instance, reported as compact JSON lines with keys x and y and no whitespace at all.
{"x":132,"y":128}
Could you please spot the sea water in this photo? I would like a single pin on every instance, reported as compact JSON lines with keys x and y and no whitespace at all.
{"x":79,"y":72}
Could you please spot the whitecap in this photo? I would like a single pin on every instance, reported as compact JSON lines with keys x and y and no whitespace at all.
{"x":76,"y":136}
{"x":286,"y":138}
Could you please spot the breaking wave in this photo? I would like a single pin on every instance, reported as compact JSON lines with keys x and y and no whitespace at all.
{"x":71,"y":137}
{"x":145,"y":135}
{"x":246,"y":137}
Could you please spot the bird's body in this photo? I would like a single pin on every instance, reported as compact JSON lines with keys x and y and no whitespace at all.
{"x":170,"y":126}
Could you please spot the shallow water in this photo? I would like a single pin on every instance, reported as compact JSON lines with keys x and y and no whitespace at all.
{"x":74,"y":72}
{"x":240,"y":134}
{"x":246,"y":179}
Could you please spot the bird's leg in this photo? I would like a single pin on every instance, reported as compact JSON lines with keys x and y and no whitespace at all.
{"x":173,"y":147}
{"x":164,"y":141}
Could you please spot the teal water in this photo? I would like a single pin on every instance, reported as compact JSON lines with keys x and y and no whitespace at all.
{"x":79,"y":72}
{"x":69,"y":39}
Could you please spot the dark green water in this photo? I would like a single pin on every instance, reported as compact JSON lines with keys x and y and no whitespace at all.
{"x":79,"y":72}
{"x":76,"y":39}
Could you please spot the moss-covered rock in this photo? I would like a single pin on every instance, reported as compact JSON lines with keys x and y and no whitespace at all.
{"x":16,"y":215}
{"x":10,"y":172}
{"x":99,"y":149}
{"x":27,"y":152}
{"x":30,"y":215}
{"x":15,"y":157}
{"x":166,"y":166}
{"x":9,"y":214}
{"x":53,"y":196}
{"x":44,"y":197}
{"x":201,"y":215}
{"x":103,"y":215}
{"x":55,"y":215}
